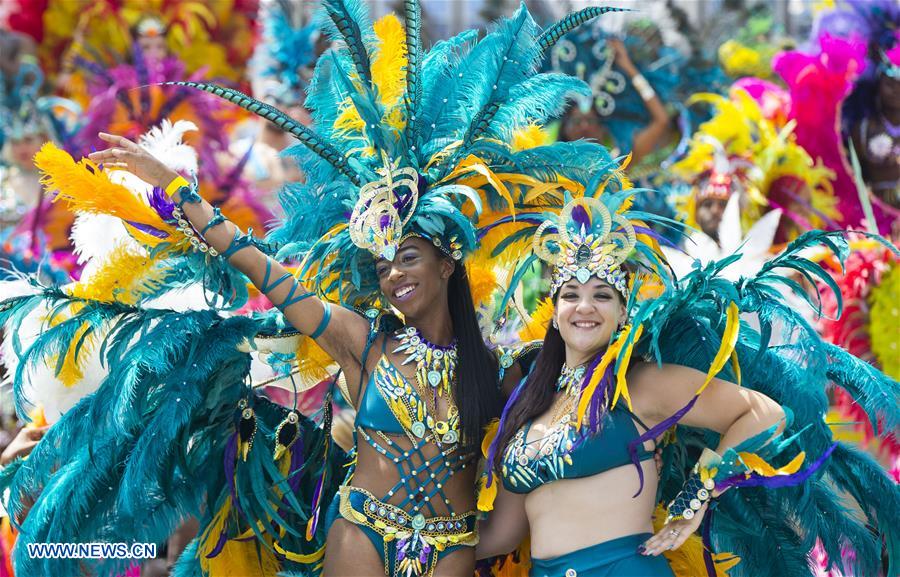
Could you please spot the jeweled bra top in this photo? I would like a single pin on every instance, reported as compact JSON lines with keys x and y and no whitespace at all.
{"x":564,"y":453}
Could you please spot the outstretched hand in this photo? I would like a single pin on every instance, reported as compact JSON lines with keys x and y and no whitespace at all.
{"x":673,"y":534}
{"x":129,"y":155}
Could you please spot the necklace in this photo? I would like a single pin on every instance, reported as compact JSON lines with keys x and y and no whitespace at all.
{"x":569,"y":381}
{"x":435,"y":365}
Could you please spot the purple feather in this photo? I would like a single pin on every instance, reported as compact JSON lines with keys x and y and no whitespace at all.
{"x":581,"y":217}
{"x":653,"y":433}
{"x":654,"y":235}
{"x":161,"y":203}
{"x":314,"y":521}
{"x":492,"y":450}
{"x":220,"y":544}
{"x":297,"y":462}
{"x":230,"y":460}
{"x":151,"y":230}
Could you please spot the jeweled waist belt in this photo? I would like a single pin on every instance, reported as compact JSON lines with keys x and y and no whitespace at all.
{"x":361,"y":507}
{"x":412,"y":543}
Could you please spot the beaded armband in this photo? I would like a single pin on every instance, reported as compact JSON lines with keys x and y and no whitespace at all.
{"x":697,"y":490}
{"x":189,"y":195}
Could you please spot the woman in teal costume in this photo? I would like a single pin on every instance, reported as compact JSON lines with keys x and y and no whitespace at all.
{"x":574,"y":447}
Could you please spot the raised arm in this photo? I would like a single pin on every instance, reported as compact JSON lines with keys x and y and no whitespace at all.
{"x":647,"y":139}
{"x":340,"y":332}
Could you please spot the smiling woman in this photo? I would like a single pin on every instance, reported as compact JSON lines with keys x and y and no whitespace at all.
{"x":577,"y":436}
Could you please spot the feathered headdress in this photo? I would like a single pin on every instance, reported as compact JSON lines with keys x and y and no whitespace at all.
{"x":747,"y":146}
{"x":412,"y":143}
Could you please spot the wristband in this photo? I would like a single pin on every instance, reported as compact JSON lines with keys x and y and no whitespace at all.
{"x":178,"y":182}
{"x":643,"y":87}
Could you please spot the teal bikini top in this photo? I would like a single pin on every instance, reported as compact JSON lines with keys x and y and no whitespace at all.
{"x":373,"y":412}
{"x":565,"y":454}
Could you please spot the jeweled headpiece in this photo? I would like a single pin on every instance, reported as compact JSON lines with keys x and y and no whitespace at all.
{"x":586,"y":241}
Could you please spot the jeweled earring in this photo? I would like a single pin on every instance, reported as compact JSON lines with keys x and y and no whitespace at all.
{"x":555,"y":326}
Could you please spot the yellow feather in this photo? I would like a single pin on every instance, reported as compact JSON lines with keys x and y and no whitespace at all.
{"x":87,"y":189}
{"x":487,"y":494}
{"x":736,"y":366}
{"x":389,"y":65}
{"x":584,"y":400}
{"x":474,"y":164}
{"x":214,"y":529}
{"x":297,"y":557}
{"x":758,"y":465}
{"x":241,"y":558}
{"x":72,"y":369}
{"x":313,"y":363}
{"x":124,"y":277}
{"x":388,"y":75}
{"x":490,"y":431}
{"x":482,"y":282}
{"x":529,"y":136}
{"x":621,"y":384}
{"x":729,"y":340}
{"x":536,"y":328}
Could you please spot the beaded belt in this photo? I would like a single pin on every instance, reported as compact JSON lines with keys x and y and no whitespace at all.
{"x":419,"y":539}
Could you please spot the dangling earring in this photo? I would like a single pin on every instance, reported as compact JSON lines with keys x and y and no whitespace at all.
{"x":555,"y":326}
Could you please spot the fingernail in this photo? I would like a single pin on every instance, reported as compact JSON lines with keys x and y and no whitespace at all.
{"x":642,"y":550}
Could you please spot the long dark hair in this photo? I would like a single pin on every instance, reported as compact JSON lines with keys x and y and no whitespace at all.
{"x":537,"y":393}
{"x":477,"y":391}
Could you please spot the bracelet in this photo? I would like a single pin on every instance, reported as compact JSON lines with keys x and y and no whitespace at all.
{"x":643,"y":87}
{"x":691,"y":498}
{"x":698,"y":488}
{"x":189,"y":194}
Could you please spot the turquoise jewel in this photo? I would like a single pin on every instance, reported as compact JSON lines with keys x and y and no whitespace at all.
{"x":418,"y":429}
{"x":389,"y":252}
{"x":583,"y":275}
{"x":506,"y":361}
{"x":434,"y":378}
{"x":418,"y":522}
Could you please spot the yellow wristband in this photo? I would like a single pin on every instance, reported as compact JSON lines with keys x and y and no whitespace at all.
{"x":176,"y":183}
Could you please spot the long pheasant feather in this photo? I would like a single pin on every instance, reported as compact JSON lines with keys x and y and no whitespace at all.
{"x":306,"y":136}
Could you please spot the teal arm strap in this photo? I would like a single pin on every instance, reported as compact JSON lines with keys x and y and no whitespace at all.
{"x":292,"y":296}
{"x":326,"y":318}
{"x":239,"y":242}
{"x":216,"y":220}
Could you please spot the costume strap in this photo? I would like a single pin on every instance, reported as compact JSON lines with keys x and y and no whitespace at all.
{"x":293,"y":296}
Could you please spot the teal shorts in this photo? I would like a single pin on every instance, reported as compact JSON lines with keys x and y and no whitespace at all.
{"x":616,"y":558}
